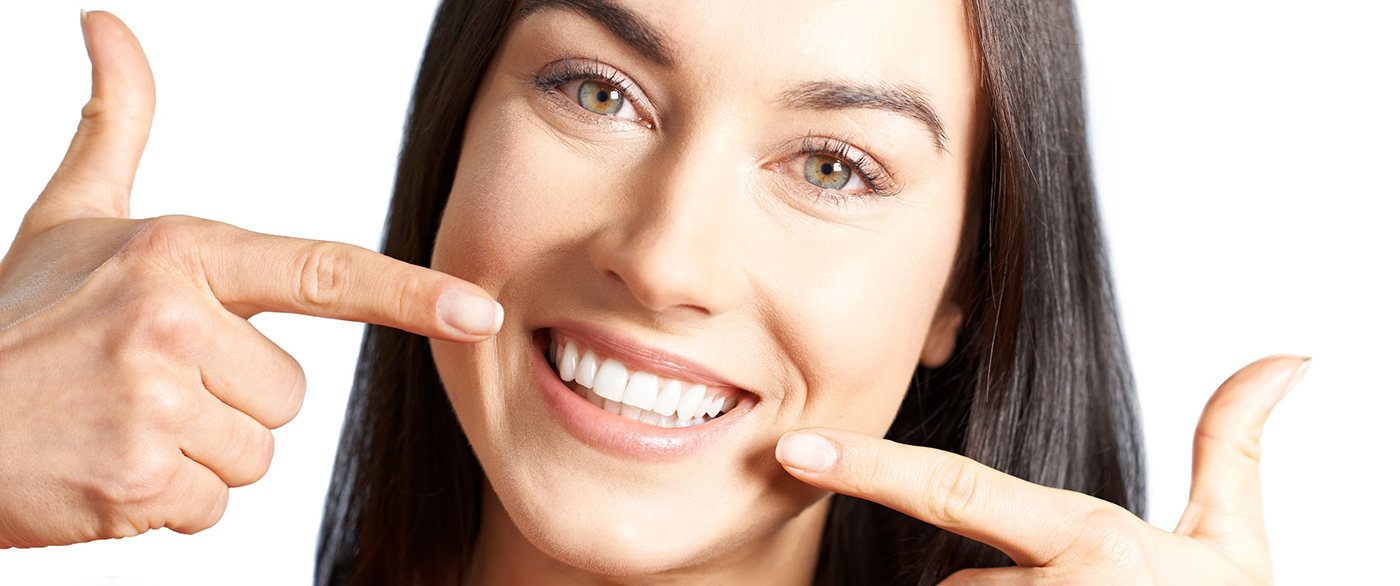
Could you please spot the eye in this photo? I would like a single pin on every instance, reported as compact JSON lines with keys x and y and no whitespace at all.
{"x":833,"y":171}
{"x":600,"y":97}
{"x":828,"y":172}
{"x":601,"y":91}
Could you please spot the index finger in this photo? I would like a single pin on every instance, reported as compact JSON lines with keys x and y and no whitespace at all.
{"x":253,"y":273}
{"x":1033,"y":524}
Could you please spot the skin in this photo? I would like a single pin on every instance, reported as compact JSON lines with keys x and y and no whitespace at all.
{"x":133,"y":390}
{"x":692,"y":231}
{"x":128,"y":326}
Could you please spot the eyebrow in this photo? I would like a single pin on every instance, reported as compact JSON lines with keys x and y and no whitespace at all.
{"x":623,"y":22}
{"x":649,"y":42}
{"x":899,"y":99}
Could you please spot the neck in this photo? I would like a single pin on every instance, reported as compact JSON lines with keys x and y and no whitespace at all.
{"x":788,"y":557}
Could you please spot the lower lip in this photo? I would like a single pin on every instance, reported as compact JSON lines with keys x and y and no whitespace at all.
{"x":622,"y":436}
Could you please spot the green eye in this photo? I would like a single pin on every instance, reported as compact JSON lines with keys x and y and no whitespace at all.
{"x":600,"y":98}
{"x":826,"y":172}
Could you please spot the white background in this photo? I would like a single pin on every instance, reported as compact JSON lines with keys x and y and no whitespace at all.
{"x":1244,"y":151}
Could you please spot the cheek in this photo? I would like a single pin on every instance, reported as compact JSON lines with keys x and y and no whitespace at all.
{"x":862,"y":314}
{"x":516,"y":201}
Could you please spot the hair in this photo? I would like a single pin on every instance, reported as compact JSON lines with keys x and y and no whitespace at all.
{"x":1038,"y":385}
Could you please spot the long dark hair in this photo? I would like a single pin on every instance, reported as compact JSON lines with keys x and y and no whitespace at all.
{"x":1038,"y":386}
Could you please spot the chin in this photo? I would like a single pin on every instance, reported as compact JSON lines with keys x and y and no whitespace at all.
{"x":615,"y":458}
{"x":621,"y":538}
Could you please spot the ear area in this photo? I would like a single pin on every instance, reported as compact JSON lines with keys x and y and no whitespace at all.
{"x":942,"y":336}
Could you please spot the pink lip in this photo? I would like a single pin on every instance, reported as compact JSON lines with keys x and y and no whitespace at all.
{"x":622,"y":436}
{"x":637,"y":356}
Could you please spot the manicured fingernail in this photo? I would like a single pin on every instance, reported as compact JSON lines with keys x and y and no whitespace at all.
{"x":470,"y":313}
{"x":1297,"y":375}
{"x":807,"y":451}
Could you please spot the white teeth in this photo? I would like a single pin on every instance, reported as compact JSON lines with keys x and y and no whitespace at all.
{"x":637,"y":395}
{"x":689,"y":404}
{"x":587,"y":369}
{"x":641,"y":390}
{"x":669,"y":398}
{"x":568,"y":361}
{"x":712,"y":408}
{"x":611,"y":380}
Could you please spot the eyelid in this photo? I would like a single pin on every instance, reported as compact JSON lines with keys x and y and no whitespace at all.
{"x":555,"y":74}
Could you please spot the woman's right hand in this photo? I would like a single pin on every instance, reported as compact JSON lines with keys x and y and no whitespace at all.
{"x":133,"y":390}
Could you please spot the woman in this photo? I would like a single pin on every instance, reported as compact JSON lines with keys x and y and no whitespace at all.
{"x":839,"y":234}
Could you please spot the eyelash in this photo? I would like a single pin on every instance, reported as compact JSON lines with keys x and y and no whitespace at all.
{"x":548,"y":80}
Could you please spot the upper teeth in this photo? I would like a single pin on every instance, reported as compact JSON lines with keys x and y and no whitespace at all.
{"x":637,"y":394}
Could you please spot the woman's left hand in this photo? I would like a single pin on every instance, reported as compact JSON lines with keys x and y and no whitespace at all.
{"x":1060,"y":535}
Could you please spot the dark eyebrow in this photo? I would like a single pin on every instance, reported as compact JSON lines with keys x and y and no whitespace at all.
{"x":624,"y":23}
{"x":900,"y":99}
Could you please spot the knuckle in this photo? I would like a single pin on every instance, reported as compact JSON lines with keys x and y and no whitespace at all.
{"x":292,"y":401}
{"x":166,"y":237}
{"x":257,"y":456}
{"x":323,"y":271}
{"x":217,"y":497}
{"x":265,"y":447}
{"x":160,"y":321}
{"x":141,"y":476}
{"x":157,"y":402}
{"x":954,"y":493}
{"x":1246,"y":446}
{"x":1107,"y":538}
{"x":217,"y":506}
{"x":413,"y":288}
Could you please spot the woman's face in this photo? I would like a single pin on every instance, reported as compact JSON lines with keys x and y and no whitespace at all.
{"x":750,"y":199}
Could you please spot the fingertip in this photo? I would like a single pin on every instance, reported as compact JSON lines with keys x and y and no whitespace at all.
{"x":115,"y":52}
{"x":1305,"y":362}
{"x":1285,"y":370}
{"x":470,"y":314}
{"x":807,"y":451}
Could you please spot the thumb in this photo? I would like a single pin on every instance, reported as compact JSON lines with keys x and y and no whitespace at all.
{"x":1225,"y":500}
{"x":95,"y":177}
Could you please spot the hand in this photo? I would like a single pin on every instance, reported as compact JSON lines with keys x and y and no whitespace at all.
{"x":1062,"y":536}
{"x":133,"y":390}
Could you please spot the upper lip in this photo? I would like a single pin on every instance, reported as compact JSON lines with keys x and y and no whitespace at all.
{"x":638,"y":356}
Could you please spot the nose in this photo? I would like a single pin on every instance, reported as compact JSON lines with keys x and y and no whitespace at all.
{"x":676,"y":247}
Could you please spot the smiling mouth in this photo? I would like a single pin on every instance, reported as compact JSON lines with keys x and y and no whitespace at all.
{"x":634,"y":393}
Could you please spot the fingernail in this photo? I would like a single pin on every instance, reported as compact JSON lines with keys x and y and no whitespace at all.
{"x":82,"y":26}
{"x":470,"y":313}
{"x":1297,"y":375}
{"x":806,"y":451}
